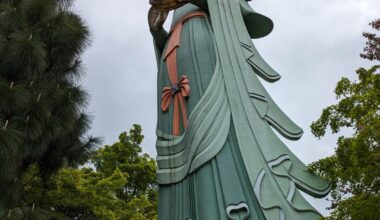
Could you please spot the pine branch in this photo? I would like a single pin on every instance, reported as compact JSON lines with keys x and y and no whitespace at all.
{"x":29,"y":181}
{"x":74,"y":66}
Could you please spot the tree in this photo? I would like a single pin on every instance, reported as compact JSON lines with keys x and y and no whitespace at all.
{"x":123,"y":185}
{"x":354,"y":169}
{"x":42,"y":118}
{"x":125,"y":156}
{"x":372,"y":49}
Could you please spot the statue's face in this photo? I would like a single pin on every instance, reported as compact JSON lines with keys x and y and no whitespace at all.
{"x":167,"y":5}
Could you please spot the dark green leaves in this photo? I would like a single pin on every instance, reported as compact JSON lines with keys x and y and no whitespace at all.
{"x":42,"y":108}
{"x":354,"y":170}
{"x":123,"y":186}
{"x":372,"y":49}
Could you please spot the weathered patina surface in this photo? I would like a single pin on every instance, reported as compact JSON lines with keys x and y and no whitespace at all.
{"x":223,"y":160}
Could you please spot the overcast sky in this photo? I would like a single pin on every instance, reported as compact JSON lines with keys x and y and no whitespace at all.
{"x":313,"y":45}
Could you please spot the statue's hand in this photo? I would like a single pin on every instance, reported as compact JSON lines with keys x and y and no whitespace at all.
{"x":167,"y":5}
{"x":160,"y":10}
{"x":156,"y":18}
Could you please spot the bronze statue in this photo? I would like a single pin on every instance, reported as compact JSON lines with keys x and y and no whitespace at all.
{"x":217,"y":156}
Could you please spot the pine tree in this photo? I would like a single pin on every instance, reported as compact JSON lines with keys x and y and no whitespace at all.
{"x":42,"y":118}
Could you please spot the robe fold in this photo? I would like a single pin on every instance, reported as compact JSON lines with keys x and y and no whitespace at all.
{"x":228,"y":163}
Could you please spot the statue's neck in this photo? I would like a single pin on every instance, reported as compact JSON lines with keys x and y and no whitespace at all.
{"x":200,"y":3}
{"x":184,"y":10}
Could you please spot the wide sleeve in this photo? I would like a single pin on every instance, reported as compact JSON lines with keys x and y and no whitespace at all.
{"x":159,"y":41}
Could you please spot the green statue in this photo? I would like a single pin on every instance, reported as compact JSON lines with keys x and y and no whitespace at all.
{"x":217,"y":155}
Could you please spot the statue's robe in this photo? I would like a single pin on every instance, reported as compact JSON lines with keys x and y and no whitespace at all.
{"x":228,"y":163}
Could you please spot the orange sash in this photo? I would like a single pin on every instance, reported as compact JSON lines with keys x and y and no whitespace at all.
{"x":180,"y":88}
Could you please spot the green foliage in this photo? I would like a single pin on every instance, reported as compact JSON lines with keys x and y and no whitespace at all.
{"x":354,"y":169}
{"x":363,"y":207}
{"x":123,"y":185}
{"x":42,"y":119}
{"x":125,"y":156}
{"x":372,"y":49}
